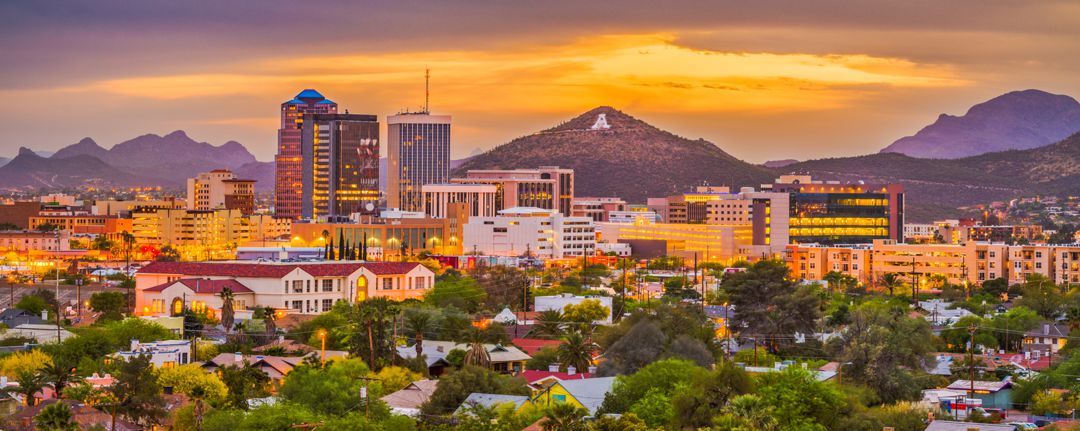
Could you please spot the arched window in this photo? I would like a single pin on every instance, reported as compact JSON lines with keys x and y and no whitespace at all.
{"x":361,"y":288}
{"x":177,"y":307}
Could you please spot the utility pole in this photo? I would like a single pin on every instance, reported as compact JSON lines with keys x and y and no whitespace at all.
{"x":364,"y":395}
{"x":57,"y":236}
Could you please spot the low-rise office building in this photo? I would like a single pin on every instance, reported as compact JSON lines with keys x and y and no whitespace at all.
{"x":534,"y":232}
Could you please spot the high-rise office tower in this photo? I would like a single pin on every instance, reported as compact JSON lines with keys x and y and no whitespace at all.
{"x":340,"y":159}
{"x":418,"y":153}
{"x":288,"y":162}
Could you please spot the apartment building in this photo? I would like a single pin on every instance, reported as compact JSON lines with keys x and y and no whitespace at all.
{"x":218,"y":189}
{"x":535,"y":232}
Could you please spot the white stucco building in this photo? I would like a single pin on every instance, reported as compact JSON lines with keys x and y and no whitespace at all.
{"x":538,"y":232}
{"x":164,"y":288}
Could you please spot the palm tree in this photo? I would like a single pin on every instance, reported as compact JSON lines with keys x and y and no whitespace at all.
{"x":30,"y":383}
{"x":59,"y":374}
{"x":890,"y":280}
{"x":268,"y":321}
{"x":227,"y":312}
{"x":197,"y":394}
{"x":564,"y":417}
{"x":55,"y":417}
{"x":419,"y":321}
{"x":549,"y":325}
{"x":477,"y":354}
{"x":576,"y":351}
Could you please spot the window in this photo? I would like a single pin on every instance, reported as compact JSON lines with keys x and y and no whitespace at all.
{"x":309,"y":286}
{"x":388,"y":283}
{"x":328,"y":285}
{"x":298,"y":286}
{"x":327,"y":304}
{"x":298,"y":305}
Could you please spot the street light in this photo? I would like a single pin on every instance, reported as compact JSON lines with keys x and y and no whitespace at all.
{"x":322,"y":336}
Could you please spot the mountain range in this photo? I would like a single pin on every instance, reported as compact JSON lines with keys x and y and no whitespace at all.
{"x":1018,"y":120}
{"x":147,"y":160}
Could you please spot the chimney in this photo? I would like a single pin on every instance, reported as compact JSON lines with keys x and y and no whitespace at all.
{"x":571,"y":370}
{"x":238,"y":357}
{"x":438,"y":348}
{"x":553,"y":368}
{"x":45,"y":315}
{"x":1046,"y":328}
{"x":167,"y":390}
{"x":592,"y":370}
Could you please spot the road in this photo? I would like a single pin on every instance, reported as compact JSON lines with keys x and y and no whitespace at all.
{"x":68,"y":293}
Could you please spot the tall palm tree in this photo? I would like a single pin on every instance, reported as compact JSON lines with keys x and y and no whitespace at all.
{"x":890,"y":280}
{"x":564,"y":417}
{"x":228,"y":315}
{"x":575,"y":350}
{"x":418,"y":321}
{"x":198,"y":394}
{"x":549,"y":325}
{"x":269,"y":314}
{"x":55,"y":417}
{"x":60,"y":375}
{"x":477,"y":354}
{"x":30,"y":383}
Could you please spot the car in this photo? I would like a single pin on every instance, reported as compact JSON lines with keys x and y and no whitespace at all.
{"x":1023,"y":426}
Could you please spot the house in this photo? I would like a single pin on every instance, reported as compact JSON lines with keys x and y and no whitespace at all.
{"x":538,"y":380}
{"x":163,"y":354}
{"x":166,"y":288}
{"x":43,"y":333}
{"x":1045,"y":339}
{"x":490,"y":401}
{"x":276,"y":367}
{"x":504,"y":359}
{"x":408,"y":400}
{"x":939,"y":425}
{"x":559,"y":302}
{"x":508,"y":317}
{"x":534,"y":345}
{"x":993,"y":394}
{"x":585,"y":393}
{"x":941,"y":313}
{"x":822,"y":374}
{"x":13,"y":317}
{"x":84,"y":415}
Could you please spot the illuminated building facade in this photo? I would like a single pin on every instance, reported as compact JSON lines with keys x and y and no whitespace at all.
{"x":196,"y":234}
{"x":709,"y":242}
{"x":833,"y":213}
{"x":479,"y":199}
{"x":764,"y":213}
{"x":418,"y":153}
{"x":386,"y":238}
{"x":288,"y":163}
{"x":340,"y":158}
{"x":546,"y":187}
{"x":598,"y":209}
{"x":219,"y":188}
{"x":531,"y":232}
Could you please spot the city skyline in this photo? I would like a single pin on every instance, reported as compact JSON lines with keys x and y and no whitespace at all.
{"x":842,"y":79}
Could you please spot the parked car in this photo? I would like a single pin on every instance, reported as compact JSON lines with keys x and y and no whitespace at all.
{"x":1024,"y":426}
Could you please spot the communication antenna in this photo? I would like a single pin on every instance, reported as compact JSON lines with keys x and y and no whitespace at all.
{"x":427,"y":91}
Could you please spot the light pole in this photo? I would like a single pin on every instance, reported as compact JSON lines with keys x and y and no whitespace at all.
{"x":322,"y":336}
{"x":57,"y":236}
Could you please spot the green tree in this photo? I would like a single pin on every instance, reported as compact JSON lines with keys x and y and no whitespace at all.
{"x":137,"y":394}
{"x":59,"y":373}
{"x":244,"y":383}
{"x":626,"y":422}
{"x":655,"y":407}
{"x":768,"y":302}
{"x":642,"y":345}
{"x":111,"y":305}
{"x":55,"y":417}
{"x":334,"y":389}
{"x":583,"y":314}
{"x":33,"y":304}
{"x":542,"y":359}
{"x":454,"y":387}
{"x":890,"y":281}
{"x":30,"y":383}
{"x":564,"y":417}
{"x":695,"y":407}
{"x":463,"y":293}
{"x":477,"y":355}
{"x":549,"y":325}
{"x":663,"y":375}
{"x":504,"y":286}
{"x":1042,"y":296}
{"x":375,"y":343}
{"x":419,"y":321}
{"x":191,"y":378}
{"x":227,"y":313}
{"x":798,"y":401}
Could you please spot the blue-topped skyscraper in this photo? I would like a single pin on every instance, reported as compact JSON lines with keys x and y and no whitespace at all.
{"x":288,"y":164}
{"x":418,"y":153}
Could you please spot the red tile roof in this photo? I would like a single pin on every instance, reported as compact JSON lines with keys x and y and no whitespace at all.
{"x":275,"y":270}
{"x":204,"y":286}
{"x":533,"y":345}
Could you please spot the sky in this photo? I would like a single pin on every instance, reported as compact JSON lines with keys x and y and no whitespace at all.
{"x":764,"y":80}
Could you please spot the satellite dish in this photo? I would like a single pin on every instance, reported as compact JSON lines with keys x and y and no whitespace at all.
{"x":369,"y":206}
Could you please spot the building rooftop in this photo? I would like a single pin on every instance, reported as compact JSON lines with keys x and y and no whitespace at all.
{"x":274,"y":269}
{"x":989,"y":386}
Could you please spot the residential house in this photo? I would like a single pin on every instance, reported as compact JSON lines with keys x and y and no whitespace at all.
{"x":539,"y":380}
{"x":504,"y":359}
{"x":490,"y":401}
{"x":941,"y":313}
{"x":821,"y":374}
{"x":13,"y":317}
{"x":43,"y":333}
{"x":585,"y":393}
{"x":1046,"y":339}
{"x":163,"y":354}
{"x":275,"y":367}
{"x":84,"y":415}
{"x":993,"y":394}
{"x":408,"y":400}
{"x":534,"y":345}
{"x":166,"y":288}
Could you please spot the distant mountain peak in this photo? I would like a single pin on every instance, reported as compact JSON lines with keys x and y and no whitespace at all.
{"x":1015,"y":120}
{"x":615,"y":154}
{"x":26,"y":152}
{"x":177,"y":134}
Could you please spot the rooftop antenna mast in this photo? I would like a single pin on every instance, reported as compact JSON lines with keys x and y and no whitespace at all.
{"x":427,"y":91}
